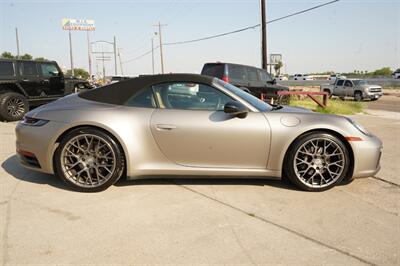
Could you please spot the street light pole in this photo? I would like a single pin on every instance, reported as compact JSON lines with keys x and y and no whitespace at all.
{"x":70,"y":53}
{"x":264,"y":51}
{"x":89,"y":56}
{"x":120,"y":61}
{"x":17,"y":39}
{"x":152,"y":54}
{"x":159,"y":25}
{"x":115,"y":57}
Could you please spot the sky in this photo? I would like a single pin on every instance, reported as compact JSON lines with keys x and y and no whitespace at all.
{"x":345,"y":36}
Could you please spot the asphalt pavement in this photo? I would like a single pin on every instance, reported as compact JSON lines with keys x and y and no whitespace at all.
{"x":191,"y":221}
{"x":386,"y":103}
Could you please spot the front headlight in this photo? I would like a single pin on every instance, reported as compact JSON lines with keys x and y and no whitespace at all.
{"x":359,"y":127}
{"x":30,"y":121}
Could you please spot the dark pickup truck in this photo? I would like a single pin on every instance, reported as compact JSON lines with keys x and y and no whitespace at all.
{"x":27,"y":83}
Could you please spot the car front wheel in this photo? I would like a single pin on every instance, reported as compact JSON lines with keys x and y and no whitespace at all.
{"x":13,"y":106}
{"x":317,"y":161}
{"x":89,"y":160}
{"x":358,"y":96}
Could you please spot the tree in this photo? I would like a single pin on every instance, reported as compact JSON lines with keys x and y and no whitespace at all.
{"x":26,"y":57}
{"x":7,"y":55}
{"x":384,"y":71}
{"x":278,"y":67}
{"x":79,"y":72}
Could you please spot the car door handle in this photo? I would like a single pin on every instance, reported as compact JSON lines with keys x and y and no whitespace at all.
{"x":165,"y":127}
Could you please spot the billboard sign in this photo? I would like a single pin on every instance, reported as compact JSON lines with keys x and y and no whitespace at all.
{"x":78,"y":24}
{"x":275,"y":59}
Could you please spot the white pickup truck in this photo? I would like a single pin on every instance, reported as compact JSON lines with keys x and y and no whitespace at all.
{"x":357,"y":88}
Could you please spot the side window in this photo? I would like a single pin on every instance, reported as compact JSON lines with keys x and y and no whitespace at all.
{"x":237,"y":72}
{"x":348,"y":83}
{"x":143,"y":98}
{"x":264,"y":76}
{"x":29,"y":69}
{"x":6,"y":69}
{"x":340,"y":82}
{"x":252,"y":74}
{"x":48,"y":70}
{"x":189,"y":96}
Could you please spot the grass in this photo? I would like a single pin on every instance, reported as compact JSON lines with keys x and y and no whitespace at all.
{"x":335,"y":106}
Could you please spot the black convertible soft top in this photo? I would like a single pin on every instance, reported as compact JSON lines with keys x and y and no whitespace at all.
{"x":118,"y":93}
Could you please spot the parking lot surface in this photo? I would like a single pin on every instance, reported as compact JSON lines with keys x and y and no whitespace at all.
{"x":192,"y":221}
{"x":387,"y":103}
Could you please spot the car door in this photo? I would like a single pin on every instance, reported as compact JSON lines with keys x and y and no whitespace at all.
{"x":52,"y":80}
{"x":348,"y":88}
{"x":29,"y":78}
{"x":238,"y":76}
{"x":191,"y":129}
{"x":339,"y":88}
{"x":255,"y":85}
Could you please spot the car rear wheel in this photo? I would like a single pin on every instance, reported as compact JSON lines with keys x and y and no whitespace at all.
{"x":89,"y":160}
{"x":329,"y":93}
{"x":317,"y":161}
{"x":358,"y":96}
{"x":13,"y":106}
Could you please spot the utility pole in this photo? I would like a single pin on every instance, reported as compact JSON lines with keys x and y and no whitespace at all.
{"x":159,"y":25}
{"x":120,"y":61}
{"x":152,"y":54}
{"x":89,"y":56}
{"x":264,"y":51}
{"x":115,"y":57}
{"x":104,"y":68}
{"x":17,"y":39}
{"x":70,"y":54}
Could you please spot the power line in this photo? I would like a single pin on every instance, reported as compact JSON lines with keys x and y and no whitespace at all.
{"x":141,"y":56}
{"x":250,"y":27}
{"x":303,"y":11}
{"x":232,"y":32}
{"x":214,"y":36}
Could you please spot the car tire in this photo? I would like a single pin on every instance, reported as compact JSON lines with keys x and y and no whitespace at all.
{"x":89,"y":160}
{"x":13,"y":106}
{"x":358,"y":96}
{"x":329,"y":93}
{"x":316,"y":161}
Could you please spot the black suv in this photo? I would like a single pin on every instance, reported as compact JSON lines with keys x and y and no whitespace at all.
{"x":254,"y":80}
{"x":25,"y":83}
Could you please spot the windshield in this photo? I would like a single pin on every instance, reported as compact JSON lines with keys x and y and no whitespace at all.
{"x":257,"y":103}
{"x":360,"y":82}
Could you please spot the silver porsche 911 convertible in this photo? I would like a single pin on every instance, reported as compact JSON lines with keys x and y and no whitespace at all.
{"x":190,"y":125}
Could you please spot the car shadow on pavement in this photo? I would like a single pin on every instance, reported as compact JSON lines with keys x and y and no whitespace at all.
{"x":227,"y":181}
{"x":13,"y":168}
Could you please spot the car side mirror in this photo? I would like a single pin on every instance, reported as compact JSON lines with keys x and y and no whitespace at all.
{"x":236,"y":108}
{"x":273,"y":81}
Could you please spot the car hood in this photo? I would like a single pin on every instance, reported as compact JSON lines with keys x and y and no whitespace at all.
{"x":292,"y":109}
{"x":69,"y":103}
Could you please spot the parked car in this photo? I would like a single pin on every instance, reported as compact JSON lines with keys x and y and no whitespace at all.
{"x":160,"y":125}
{"x":302,"y":77}
{"x":334,"y":77}
{"x":114,"y":79}
{"x":25,"y":83}
{"x":357,"y":88}
{"x":253,"y":80}
{"x":396,"y":74}
{"x":282,"y":78}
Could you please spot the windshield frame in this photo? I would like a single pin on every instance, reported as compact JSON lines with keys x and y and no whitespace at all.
{"x":360,"y":82}
{"x":251,"y":100}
